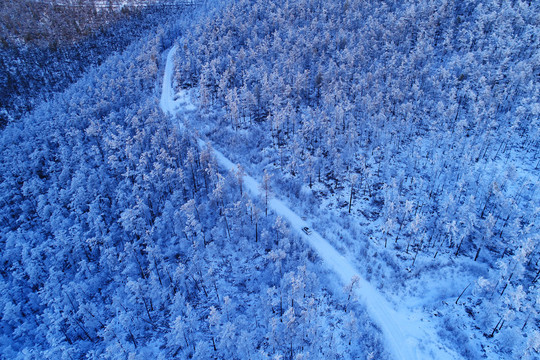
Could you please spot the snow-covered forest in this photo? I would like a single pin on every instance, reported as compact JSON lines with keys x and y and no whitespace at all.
{"x":417,"y":121}
{"x":396,"y":141}
{"x":48,"y":46}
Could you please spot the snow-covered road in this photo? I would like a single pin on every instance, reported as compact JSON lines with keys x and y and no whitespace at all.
{"x":170,"y":102}
{"x":405,"y":337}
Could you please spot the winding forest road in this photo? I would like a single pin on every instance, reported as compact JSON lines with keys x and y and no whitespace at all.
{"x":405,"y":337}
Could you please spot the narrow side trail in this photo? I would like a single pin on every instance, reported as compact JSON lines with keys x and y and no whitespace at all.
{"x":405,"y":337}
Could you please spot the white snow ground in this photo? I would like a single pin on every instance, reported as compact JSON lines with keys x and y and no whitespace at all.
{"x":406,"y":336}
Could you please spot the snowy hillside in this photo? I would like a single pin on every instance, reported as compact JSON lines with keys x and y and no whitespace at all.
{"x":409,"y":131}
{"x":121,"y":238}
{"x":45,"y":47}
{"x":294,"y":179}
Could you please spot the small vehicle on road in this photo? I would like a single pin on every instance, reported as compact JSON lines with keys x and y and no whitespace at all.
{"x":307,"y":230}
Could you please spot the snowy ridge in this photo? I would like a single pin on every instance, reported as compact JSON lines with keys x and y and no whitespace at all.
{"x":405,"y":337}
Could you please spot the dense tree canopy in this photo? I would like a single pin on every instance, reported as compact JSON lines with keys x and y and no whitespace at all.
{"x":120,"y":238}
{"x":407,"y":129}
{"x":427,"y":111}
